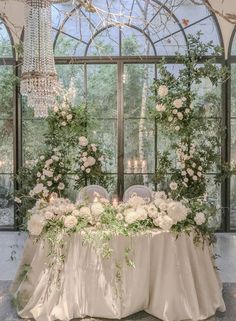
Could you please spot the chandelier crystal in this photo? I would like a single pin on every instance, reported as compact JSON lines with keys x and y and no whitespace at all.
{"x":39,"y":78}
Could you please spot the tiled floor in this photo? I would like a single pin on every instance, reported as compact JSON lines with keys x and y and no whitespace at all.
{"x":11,"y":244}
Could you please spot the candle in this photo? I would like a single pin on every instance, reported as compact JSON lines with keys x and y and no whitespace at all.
{"x":115,"y":202}
{"x":129,"y":166}
{"x":1,"y":163}
{"x":135,"y":166}
{"x":95,"y":199}
{"x":144,"y":166}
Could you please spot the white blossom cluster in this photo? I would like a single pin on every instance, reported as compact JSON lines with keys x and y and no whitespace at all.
{"x":190,"y":171}
{"x":178,"y":108}
{"x":48,"y":176}
{"x":87,"y":156}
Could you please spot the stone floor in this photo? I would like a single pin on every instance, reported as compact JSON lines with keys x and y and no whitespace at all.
{"x":11,"y":246}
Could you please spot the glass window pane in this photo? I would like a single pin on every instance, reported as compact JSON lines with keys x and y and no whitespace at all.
{"x":102,"y":91}
{"x":233,"y":90}
{"x":6,"y":91}
{"x":104,"y":132}
{"x":6,"y":200}
{"x":137,"y":179}
{"x":139,"y":154}
{"x":6,"y":146}
{"x":33,"y":140}
{"x":5,"y":42}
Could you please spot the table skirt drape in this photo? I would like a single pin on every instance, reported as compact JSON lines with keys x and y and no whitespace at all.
{"x":173,"y":280}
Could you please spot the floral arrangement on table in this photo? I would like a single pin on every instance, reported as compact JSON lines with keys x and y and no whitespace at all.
{"x":67,"y":150}
{"x":182,"y":118}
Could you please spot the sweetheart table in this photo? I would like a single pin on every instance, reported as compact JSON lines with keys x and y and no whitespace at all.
{"x":172,"y":280}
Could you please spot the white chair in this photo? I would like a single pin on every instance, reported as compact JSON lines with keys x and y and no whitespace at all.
{"x":89,"y":193}
{"x":138,"y":190}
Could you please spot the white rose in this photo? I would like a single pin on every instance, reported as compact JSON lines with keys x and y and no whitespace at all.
{"x":49,"y":162}
{"x":162,"y":91}
{"x":177,"y":211}
{"x":82,"y":168}
{"x":187,"y":111}
{"x":91,"y":160}
{"x":35,"y":224}
{"x":17,"y":200}
{"x":45,"y":193}
{"x":160,"y":107}
{"x":63,"y":113}
{"x":173,"y":186}
{"x":38,"y":174}
{"x":86,"y":164}
{"x":94,"y":147}
{"x":177,"y":128}
{"x":55,"y":109}
{"x":63,"y":123}
{"x":200,"y":168}
{"x":83,"y":141}
{"x":184,"y":98}
{"x":164,"y":222}
{"x":47,"y":173}
{"x":200,"y":218}
{"x":136,"y":201}
{"x":38,"y":188}
{"x":199,"y":174}
{"x":186,"y":180}
{"x":61,"y":186}
{"x":160,"y":194}
{"x":163,"y":206}
{"x":88,"y":170}
{"x":178,"y":103}
{"x":175,"y":111}
{"x":195,"y":178}
{"x":170,"y":119}
{"x":193,"y":165}
{"x":97,"y":209}
{"x":180,"y":115}
{"x":190,"y":171}
{"x":69,"y":117}
{"x":183,"y":173}
{"x":56,"y":158}
{"x":42,"y":157}
{"x":85,"y":154}
{"x":70,"y":221}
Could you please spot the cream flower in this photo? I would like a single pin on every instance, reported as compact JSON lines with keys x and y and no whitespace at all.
{"x":177,"y":128}
{"x":38,"y":188}
{"x":164,"y":222}
{"x":83,"y":141}
{"x":69,"y":117}
{"x":141,"y":213}
{"x":130,"y":216}
{"x":199,"y":174}
{"x":35,"y":224}
{"x":190,"y":171}
{"x":97,"y":209}
{"x":88,"y":170}
{"x":160,"y":107}
{"x":76,"y":213}
{"x":94,"y":147}
{"x":173,"y":186}
{"x":177,"y":211}
{"x":163,"y":91}
{"x":61,"y":186}
{"x":91,"y":160}
{"x":136,"y":201}
{"x":200,"y":218}
{"x":175,"y":111}
{"x":180,"y":115}
{"x":119,"y":217}
{"x":178,"y":103}
{"x":152,"y":211}
{"x":85,"y":211}
{"x":48,"y":215}
{"x":195,"y":178}
{"x":70,"y":221}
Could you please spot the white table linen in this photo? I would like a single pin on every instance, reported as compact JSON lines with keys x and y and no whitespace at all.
{"x":173,"y":280}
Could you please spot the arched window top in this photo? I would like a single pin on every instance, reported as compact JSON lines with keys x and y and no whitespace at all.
{"x":232,"y":46}
{"x":130,"y":28}
{"x":6,"y":49}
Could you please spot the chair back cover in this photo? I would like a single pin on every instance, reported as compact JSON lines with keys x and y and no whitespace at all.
{"x":89,"y":193}
{"x":138,"y":190}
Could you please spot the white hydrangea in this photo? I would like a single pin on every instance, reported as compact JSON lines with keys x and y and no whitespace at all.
{"x":164,"y":222}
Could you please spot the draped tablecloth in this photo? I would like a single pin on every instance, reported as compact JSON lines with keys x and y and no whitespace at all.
{"x":173,"y":280}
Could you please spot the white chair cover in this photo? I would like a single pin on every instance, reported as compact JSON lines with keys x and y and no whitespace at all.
{"x":139,"y":190}
{"x":89,"y":193}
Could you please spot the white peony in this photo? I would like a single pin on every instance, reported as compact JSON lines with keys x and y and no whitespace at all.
{"x":164,"y":222}
{"x":173,"y":186}
{"x":70,"y":221}
{"x":160,"y":107}
{"x":163,"y":91}
{"x":177,"y":211}
{"x":83,"y":141}
{"x":35,"y":224}
{"x":178,"y":103}
{"x":136,"y":201}
{"x":97,"y":209}
{"x":200,"y":218}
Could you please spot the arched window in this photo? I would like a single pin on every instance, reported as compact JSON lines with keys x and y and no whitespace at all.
{"x":113,"y":55}
{"x":7,"y":137}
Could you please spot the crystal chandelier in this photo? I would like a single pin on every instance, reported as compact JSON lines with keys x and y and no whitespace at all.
{"x":39,"y":78}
